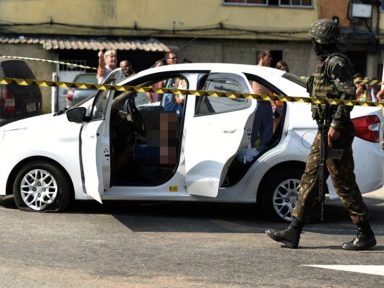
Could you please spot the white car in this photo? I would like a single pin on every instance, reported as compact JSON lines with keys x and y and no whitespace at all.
{"x":118,"y":146}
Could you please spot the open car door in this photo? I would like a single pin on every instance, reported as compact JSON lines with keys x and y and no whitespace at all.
{"x":215,"y":132}
{"x":95,"y":154}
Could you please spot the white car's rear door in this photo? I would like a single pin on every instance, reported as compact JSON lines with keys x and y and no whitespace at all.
{"x":214,"y":134}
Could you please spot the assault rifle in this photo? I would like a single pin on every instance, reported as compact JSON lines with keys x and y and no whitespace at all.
{"x":325,"y":153}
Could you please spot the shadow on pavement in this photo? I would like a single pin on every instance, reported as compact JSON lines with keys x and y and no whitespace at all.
{"x":213,"y":217}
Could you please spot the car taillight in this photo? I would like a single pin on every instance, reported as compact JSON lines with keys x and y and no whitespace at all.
{"x":8,"y":103}
{"x":368,"y":128}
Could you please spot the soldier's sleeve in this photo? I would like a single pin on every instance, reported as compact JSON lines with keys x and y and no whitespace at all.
{"x":340,"y":70}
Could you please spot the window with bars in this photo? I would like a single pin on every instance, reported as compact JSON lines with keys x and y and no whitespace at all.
{"x":282,"y":3}
{"x":64,"y":67}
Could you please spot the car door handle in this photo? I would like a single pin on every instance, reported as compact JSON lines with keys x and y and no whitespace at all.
{"x":229,"y":131}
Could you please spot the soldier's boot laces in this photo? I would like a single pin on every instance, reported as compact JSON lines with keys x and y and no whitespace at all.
{"x":364,"y":240}
{"x":289,"y":237}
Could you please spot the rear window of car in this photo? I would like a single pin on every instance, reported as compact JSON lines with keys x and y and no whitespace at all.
{"x":20,"y":70}
{"x":207,"y":105}
{"x":16,"y":69}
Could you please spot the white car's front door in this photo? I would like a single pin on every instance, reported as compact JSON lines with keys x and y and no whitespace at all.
{"x":215,"y":132}
{"x":95,"y":154}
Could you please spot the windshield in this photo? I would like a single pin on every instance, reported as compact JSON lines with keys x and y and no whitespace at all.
{"x":302,"y":81}
{"x":114,"y":77}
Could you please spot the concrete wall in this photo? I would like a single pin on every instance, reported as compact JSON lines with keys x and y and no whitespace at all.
{"x":299,"y":55}
{"x":330,"y":8}
{"x":119,"y":17}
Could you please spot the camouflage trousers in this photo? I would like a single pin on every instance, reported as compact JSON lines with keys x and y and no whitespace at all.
{"x":343,"y":178}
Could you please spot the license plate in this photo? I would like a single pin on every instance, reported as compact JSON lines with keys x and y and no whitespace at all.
{"x":31,"y":107}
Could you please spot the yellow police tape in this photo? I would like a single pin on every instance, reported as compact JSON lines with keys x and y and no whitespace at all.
{"x":48,"y":61}
{"x":368,"y":82}
{"x":232,"y":95}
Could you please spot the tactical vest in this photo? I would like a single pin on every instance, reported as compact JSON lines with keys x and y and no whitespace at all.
{"x":322,"y":87}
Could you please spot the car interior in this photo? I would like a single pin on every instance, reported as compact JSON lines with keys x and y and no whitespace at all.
{"x":146,"y":136}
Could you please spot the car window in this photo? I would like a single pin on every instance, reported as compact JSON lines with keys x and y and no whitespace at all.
{"x":101,"y":98}
{"x":18,"y":101}
{"x":100,"y":102}
{"x":222,"y":83}
{"x":296,"y":79}
{"x":166,"y":101}
{"x":16,"y":69}
{"x":19,"y":69}
{"x":86,"y":78}
{"x":99,"y":105}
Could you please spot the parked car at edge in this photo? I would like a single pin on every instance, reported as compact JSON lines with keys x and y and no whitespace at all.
{"x":18,"y":102}
{"x":119,"y":146}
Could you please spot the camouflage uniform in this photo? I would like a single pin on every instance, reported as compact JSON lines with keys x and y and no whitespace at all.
{"x":333,"y":79}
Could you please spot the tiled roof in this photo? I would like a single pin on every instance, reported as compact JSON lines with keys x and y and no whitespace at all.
{"x":56,"y":43}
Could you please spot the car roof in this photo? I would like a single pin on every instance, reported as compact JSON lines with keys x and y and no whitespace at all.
{"x":282,"y":80}
{"x":240,"y":68}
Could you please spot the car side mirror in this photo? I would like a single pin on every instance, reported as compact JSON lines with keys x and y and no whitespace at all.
{"x":76,"y":114}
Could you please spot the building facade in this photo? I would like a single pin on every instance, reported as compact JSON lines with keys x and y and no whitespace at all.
{"x":198,"y":31}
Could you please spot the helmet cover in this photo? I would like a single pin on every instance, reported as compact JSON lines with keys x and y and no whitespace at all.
{"x":324,"y":31}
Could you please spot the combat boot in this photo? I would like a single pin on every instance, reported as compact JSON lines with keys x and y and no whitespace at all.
{"x":289,"y":237}
{"x":364,"y":240}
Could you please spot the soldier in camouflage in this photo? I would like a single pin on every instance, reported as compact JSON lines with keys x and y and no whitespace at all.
{"x":332,"y":79}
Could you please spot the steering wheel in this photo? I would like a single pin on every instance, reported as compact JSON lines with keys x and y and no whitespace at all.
{"x":136,"y":116}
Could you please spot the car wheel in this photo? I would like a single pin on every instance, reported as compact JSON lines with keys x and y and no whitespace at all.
{"x":280,"y":194}
{"x":41,"y":186}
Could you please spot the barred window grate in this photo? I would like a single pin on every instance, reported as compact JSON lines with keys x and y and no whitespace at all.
{"x":290,"y":3}
{"x":64,"y":67}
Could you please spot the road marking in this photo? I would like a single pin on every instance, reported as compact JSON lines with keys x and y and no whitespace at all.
{"x":366,"y":269}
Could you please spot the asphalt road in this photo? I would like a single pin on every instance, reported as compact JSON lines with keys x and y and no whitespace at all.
{"x":125,"y":244}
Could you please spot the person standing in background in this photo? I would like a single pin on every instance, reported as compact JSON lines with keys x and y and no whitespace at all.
{"x":263,"y":120}
{"x":170,"y":102}
{"x":107,"y":63}
{"x":153,"y":96}
{"x":282,"y":65}
{"x":277,"y":105}
{"x":170,"y":58}
{"x":126,"y":68}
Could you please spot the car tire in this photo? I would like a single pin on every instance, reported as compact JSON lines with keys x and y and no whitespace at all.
{"x":41,"y":187}
{"x":279,"y":194}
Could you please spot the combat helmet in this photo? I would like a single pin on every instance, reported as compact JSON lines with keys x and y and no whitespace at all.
{"x":324,"y":31}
